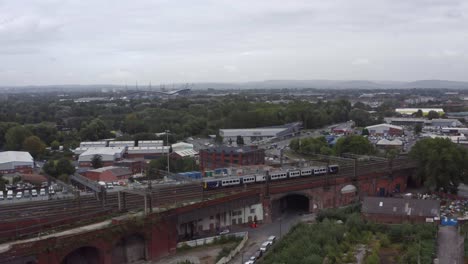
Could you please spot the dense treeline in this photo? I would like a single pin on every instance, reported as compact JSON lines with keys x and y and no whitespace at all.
{"x":348,"y":144}
{"x":67,"y":123}
{"x":338,"y":233}
{"x":442,"y":164}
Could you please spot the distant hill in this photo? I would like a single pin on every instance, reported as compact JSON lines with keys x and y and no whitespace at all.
{"x":268,"y":84}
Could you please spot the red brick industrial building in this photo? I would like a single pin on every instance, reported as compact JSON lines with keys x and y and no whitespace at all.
{"x":219,"y":157}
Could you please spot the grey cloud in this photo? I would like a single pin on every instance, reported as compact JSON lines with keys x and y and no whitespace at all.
{"x":117,"y":41}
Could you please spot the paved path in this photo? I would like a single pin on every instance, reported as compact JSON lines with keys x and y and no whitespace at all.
{"x":259,"y":235}
{"x":449,"y":246}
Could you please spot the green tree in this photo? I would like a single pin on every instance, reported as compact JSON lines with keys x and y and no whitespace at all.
{"x":64,"y":166}
{"x":55,"y":145}
{"x":49,"y":168}
{"x":3,"y":182}
{"x":96,"y":161}
{"x":15,"y":137}
{"x":34,"y":146}
{"x":354,"y":144}
{"x":432,"y":114}
{"x":365,"y":132}
{"x":295,"y":144}
{"x":218,"y":139}
{"x":154,"y":167}
{"x":417,"y":128}
{"x":419,"y":113}
{"x":441,"y":164}
{"x":360,"y":117}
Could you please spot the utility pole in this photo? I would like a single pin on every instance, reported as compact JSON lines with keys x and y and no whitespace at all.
{"x":168,"y":148}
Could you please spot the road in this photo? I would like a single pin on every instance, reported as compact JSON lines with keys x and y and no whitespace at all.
{"x":449,"y":246}
{"x":257,"y":236}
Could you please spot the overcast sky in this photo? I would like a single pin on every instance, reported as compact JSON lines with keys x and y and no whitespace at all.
{"x":118,"y":42}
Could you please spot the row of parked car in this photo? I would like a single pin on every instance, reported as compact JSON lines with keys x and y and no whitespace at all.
{"x":263,"y":248}
{"x":26,"y":193}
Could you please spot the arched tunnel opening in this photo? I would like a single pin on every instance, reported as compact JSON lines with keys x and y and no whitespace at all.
{"x":129,"y":249}
{"x":290,"y":204}
{"x":82,"y":255}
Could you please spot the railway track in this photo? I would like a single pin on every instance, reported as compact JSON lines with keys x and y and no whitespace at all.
{"x":164,"y":196}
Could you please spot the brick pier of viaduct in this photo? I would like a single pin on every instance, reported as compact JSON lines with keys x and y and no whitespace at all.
{"x":154,"y":236}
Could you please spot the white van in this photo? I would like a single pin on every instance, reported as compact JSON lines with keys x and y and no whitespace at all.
{"x":10,"y":195}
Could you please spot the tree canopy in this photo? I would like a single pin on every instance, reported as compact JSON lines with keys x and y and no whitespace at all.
{"x":34,"y":146}
{"x":354,"y":144}
{"x":96,"y":161}
{"x":441,"y":164}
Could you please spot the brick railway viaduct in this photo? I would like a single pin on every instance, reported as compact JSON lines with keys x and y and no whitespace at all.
{"x":150,"y":236}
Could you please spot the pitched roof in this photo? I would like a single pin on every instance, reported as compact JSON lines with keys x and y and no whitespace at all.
{"x":386,"y":142}
{"x":400,"y":206}
{"x":385,"y":125}
{"x":12,"y":156}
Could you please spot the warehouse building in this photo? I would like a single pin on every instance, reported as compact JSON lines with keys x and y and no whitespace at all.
{"x":150,"y":143}
{"x":438,"y":122}
{"x":147,"y":152}
{"x":221,"y":157}
{"x":108,"y":174}
{"x":398,"y":210}
{"x":121,"y":143}
{"x":16,"y":161}
{"x":182,"y":146}
{"x":385,"y":130}
{"x":108,"y":155}
{"x":93,"y":144}
{"x":252,"y":135}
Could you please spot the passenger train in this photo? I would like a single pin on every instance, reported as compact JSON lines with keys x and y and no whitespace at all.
{"x":213,"y":183}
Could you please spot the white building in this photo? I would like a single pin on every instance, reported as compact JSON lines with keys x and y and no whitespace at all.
{"x":121,"y":143}
{"x":16,"y":161}
{"x":108,"y":155}
{"x":384,"y":130}
{"x":93,"y":144}
{"x":252,"y":135}
{"x":147,"y":152}
{"x":225,"y":219}
{"x":385,"y":143}
{"x":150,"y":143}
{"x":185,"y":153}
{"x":182,"y":146}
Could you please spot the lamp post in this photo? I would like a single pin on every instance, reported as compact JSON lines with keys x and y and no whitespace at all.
{"x":168,"y":148}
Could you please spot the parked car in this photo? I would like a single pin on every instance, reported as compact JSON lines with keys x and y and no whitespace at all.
{"x":10,"y":195}
{"x":42,"y":192}
{"x":34,"y":193}
{"x":224,"y":232}
{"x":19,"y":195}
{"x":272,"y":239}
{"x":1,"y":196}
{"x":26,"y":194}
{"x":51,"y":190}
{"x":264,"y":247}
{"x":258,"y":254}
